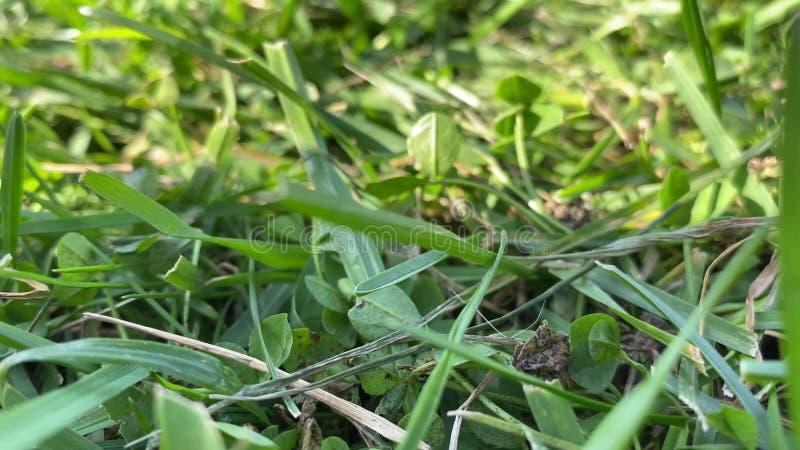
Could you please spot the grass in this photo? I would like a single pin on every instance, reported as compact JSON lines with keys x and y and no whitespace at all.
{"x":333,"y":225}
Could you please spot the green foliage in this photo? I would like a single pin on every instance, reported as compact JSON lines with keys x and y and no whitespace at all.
{"x":434,"y":142}
{"x":11,"y":182}
{"x":381,"y":199}
{"x":736,"y":424}
{"x":554,"y":415}
{"x":184,"y":423}
{"x":183,"y":275}
{"x":74,"y":251}
{"x":517,"y":89}
{"x":277,"y":336}
{"x":594,"y":342}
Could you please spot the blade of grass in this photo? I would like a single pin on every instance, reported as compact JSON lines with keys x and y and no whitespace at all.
{"x":720,"y":143}
{"x":79,"y":223}
{"x":18,"y":274}
{"x":359,"y":254}
{"x":273,"y":371}
{"x":399,"y":272}
{"x":431,"y":395}
{"x":717,"y":329}
{"x":189,"y":365}
{"x":693,"y":25}
{"x":280,"y":255}
{"x":20,"y":339}
{"x":790,"y":222}
{"x":55,"y":410}
{"x":395,"y":227}
{"x":11,"y":187}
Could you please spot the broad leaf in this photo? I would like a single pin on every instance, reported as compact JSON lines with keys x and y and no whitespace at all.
{"x":434,"y":142}
{"x":185,"y":424}
{"x":277,"y":337}
{"x":517,"y":89}
{"x":592,"y":339}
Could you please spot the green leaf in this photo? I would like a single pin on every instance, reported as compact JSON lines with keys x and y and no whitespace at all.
{"x":518,"y":90}
{"x":549,"y":117}
{"x":789,"y":222}
{"x":59,"y":408}
{"x":327,"y":295}
{"x":434,"y":142}
{"x":280,"y":255}
{"x":426,"y":294}
{"x":737,"y":424}
{"x":334,"y":443}
{"x":505,"y":124}
{"x":277,"y":338}
{"x":184,"y":424}
{"x":131,"y":200}
{"x":189,"y":365}
{"x":244,"y":434}
{"x":674,"y":186}
{"x":338,"y":325}
{"x":381,"y":312}
{"x":11,"y":183}
{"x":721,"y":144}
{"x":777,"y":434}
{"x":183,"y":275}
{"x":74,"y":250}
{"x":380,"y":380}
{"x":604,"y":341}
{"x":594,"y":361}
{"x":693,"y":25}
{"x":394,"y":186}
{"x":553,"y":414}
{"x":434,"y":434}
{"x":399,"y":272}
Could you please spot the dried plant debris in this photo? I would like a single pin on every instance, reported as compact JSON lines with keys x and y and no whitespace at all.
{"x":546,"y":354}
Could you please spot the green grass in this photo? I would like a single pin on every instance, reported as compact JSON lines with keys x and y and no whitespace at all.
{"x":382,"y":200}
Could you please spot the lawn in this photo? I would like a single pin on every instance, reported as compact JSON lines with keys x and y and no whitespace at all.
{"x":366,"y":224}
